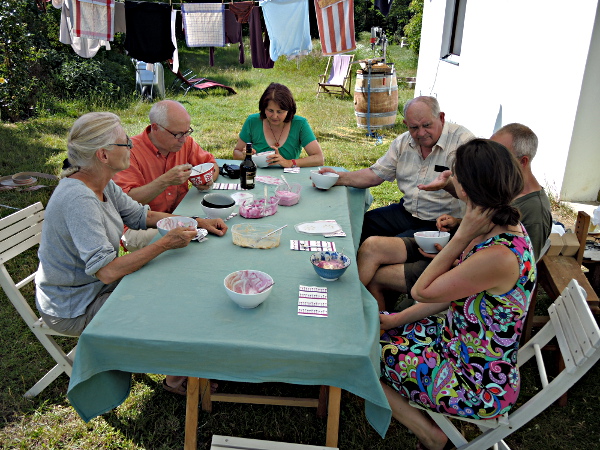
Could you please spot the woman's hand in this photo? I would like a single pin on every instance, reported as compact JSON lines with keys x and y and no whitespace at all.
{"x":276,"y":158}
{"x":213,"y":226}
{"x":476,"y":222}
{"x":178,"y":237}
{"x":387,"y":321}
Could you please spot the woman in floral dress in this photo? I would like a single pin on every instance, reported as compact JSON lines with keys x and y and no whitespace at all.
{"x":464,"y":362}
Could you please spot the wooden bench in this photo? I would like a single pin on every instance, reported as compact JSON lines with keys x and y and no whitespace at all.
{"x":555,"y":272}
{"x":233,"y":443}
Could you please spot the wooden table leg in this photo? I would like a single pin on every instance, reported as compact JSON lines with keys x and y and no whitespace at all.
{"x":322,"y":406}
{"x":191,"y":414}
{"x":205,"y":389}
{"x":333,"y":416}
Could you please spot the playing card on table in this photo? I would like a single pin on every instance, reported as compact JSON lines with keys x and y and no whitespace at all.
{"x":312,"y":301}
{"x":312,"y":246}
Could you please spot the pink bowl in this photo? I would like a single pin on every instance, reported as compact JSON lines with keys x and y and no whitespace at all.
{"x":202,"y":174}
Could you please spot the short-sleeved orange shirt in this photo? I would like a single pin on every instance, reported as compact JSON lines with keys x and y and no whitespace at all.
{"x":147,"y":164}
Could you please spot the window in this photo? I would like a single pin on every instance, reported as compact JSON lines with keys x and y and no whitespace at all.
{"x":453,"y":30}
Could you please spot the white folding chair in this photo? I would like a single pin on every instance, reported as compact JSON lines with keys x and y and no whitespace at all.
{"x":575,"y":329}
{"x":19,"y":232}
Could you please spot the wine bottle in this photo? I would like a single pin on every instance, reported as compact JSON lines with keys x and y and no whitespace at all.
{"x":247,"y":169}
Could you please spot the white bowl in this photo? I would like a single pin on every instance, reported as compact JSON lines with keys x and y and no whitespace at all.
{"x":217,"y":213}
{"x":260,"y":159}
{"x":427,"y":240}
{"x":169,"y":223}
{"x":253,"y":281}
{"x":323,"y":180}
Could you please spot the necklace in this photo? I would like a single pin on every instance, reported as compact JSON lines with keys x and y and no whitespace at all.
{"x":273,"y":133}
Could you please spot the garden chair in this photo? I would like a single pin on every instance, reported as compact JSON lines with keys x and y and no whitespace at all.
{"x":187,"y":81}
{"x":574,"y":327}
{"x":20,"y":232}
{"x":340,"y":76}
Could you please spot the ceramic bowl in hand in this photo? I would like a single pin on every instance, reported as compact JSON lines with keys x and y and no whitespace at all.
{"x":329,"y":265}
{"x":248,"y":288}
{"x":169,"y":223}
{"x":260,"y":159}
{"x":288,"y":196}
{"x":202,"y":174}
{"x":426,"y":240}
{"x":323,"y":180}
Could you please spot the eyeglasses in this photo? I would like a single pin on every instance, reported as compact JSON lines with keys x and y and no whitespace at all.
{"x":129,"y":144}
{"x":178,"y":135}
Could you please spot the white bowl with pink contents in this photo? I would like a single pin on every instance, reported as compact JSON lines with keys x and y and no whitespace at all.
{"x":248,"y":288}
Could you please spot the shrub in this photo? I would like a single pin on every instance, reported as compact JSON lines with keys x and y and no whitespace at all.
{"x":18,"y":61}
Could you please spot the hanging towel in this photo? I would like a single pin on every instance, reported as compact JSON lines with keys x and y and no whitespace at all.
{"x":336,"y":25}
{"x":120,"y":26}
{"x":233,"y":33}
{"x":148,"y":35}
{"x":241,"y":11}
{"x":204,"y":24}
{"x":383,"y":6}
{"x":84,"y":47}
{"x":94,"y":19}
{"x":259,"y":42}
{"x":288,"y":27}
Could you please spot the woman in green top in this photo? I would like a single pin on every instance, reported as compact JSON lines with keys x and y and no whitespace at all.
{"x":278,"y":128}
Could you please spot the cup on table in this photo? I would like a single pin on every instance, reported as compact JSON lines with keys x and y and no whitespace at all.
{"x":202,"y":174}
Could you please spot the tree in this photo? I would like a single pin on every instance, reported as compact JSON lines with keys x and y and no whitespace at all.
{"x":412,"y":30}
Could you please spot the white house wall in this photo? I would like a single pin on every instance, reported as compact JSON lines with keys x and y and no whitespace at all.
{"x":521,"y":61}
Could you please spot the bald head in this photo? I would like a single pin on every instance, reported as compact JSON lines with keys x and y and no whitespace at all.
{"x":166,"y":111}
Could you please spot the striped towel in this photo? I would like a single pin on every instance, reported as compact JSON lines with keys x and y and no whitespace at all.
{"x":94,"y":19}
{"x":204,"y":24}
{"x":336,"y":25}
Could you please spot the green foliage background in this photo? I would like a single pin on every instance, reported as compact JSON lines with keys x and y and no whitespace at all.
{"x":37,"y":72}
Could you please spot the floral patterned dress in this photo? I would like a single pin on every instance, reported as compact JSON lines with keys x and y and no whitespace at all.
{"x":466,"y":362}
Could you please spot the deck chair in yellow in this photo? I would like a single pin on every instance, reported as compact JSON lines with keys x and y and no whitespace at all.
{"x":578,"y":337}
{"x":20,"y":232}
{"x":338,"y":76}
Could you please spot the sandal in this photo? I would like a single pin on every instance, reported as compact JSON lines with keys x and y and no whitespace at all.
{"x":179,"y":390}
{"x":182,"y":388}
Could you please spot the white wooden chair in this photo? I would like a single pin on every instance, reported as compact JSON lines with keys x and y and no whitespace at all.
{"x":19,"y":232}
{"x":574,"y":327}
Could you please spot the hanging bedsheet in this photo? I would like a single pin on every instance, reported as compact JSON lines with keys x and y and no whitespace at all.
{"x":149,"y":27}
{"x":335,"y":19}
{"x":288,"y":27}
{"x":204,"y":24}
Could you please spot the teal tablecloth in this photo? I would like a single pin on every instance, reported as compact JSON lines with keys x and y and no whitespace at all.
{"x":174,"y":317}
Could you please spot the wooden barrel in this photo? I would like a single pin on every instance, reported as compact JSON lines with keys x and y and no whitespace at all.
{"x":383,"y":102}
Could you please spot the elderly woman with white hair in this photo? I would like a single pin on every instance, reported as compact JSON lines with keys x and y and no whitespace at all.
{"x":79,"y":264}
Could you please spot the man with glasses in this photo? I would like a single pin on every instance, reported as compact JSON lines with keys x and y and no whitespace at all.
{"x":161,"y":161}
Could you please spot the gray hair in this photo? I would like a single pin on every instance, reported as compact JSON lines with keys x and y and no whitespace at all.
{"x":159,"y":113}
{"x":431,"y":102}
{"x":89,"y":133}
{"x":524,"y":141}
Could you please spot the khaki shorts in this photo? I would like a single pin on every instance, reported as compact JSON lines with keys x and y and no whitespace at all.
{"x":135,"y":239}
{"x":76,"y":325}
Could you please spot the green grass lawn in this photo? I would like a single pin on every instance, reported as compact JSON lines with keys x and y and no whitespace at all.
{"x":153,"y":419}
